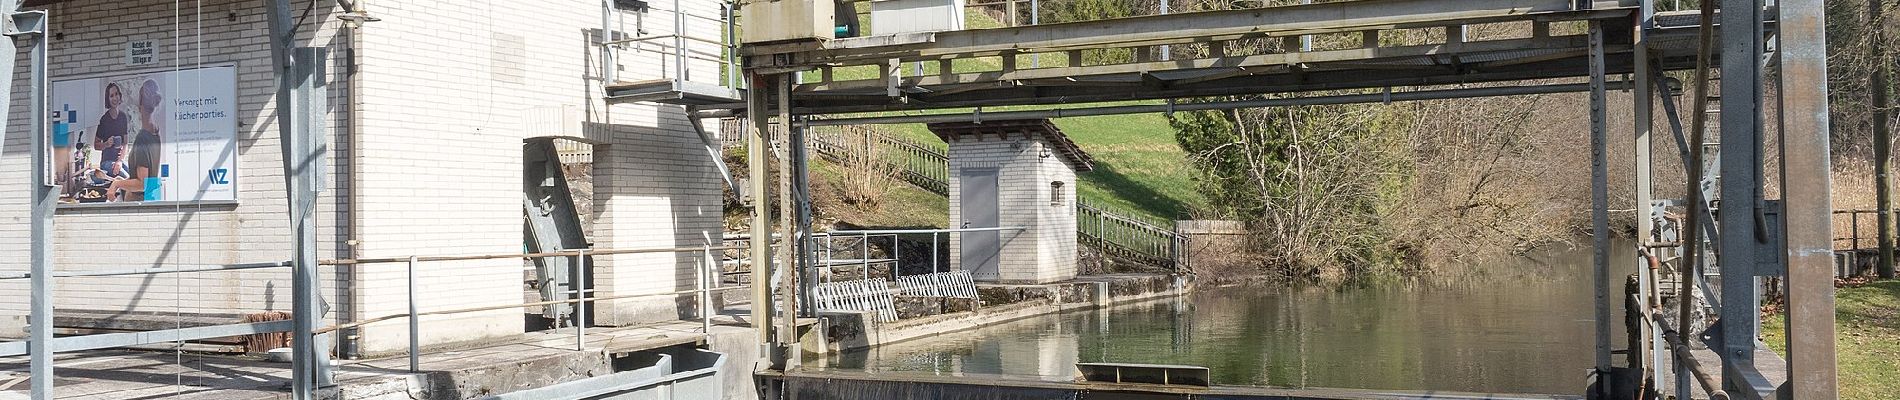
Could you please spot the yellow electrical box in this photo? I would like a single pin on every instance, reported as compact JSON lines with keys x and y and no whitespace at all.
{"x":772,"y":21}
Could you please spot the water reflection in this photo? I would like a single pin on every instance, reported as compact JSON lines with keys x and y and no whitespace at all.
{"x":1519,"y":325}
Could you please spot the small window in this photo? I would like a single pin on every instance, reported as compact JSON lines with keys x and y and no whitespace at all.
{"x":1055,"y":194}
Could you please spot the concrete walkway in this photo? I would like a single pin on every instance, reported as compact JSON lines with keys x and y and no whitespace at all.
{"x":534,"y":360}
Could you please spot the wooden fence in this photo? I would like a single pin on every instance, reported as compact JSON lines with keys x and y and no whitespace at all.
{"x":1125,"y":236}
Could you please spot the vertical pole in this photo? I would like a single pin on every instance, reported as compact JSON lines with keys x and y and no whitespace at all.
{"x":934,"y":253}
{"x":801,"y":196}
{"x":302,"y":161}
{"x":1688,"y":279}
{"x":1883,"y":139}
{"x":1164,"y":48}
{"x":1035,"y":18}
{"x":608,"y":66}
{"x":1741,"y":166}
{"x":580,"y":301}
{"x":1807,"y":192}
{"x":760,"y":259}
{"x":679,"y":43}
{"x":788,"y":284}
{"x":1600,"y":206}
{"x":415,"y":329}
{"x":706,"y":270}
{"x":44,"y":198}
{"x":1645,"y":97}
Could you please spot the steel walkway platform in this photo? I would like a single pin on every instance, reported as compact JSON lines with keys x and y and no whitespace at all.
{"x":1204,"y":59}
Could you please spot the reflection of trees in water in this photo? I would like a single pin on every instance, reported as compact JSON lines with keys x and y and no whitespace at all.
{"x":1522,"y":327}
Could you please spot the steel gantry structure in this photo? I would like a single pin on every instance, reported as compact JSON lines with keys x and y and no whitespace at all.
{"x":796,"y":82}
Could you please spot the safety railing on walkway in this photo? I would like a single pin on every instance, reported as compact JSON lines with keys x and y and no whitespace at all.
{"x":676,"y":49}
{"x":706,"y":283}
{"x":706,"y":278}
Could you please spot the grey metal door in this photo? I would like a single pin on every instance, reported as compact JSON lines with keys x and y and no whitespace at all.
{"x":980,"y":251}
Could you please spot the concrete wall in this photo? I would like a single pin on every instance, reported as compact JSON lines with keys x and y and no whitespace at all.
{"x":1045,"y":251}
{"x":448,"y":90}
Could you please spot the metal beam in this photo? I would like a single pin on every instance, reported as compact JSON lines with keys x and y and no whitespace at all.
{"x":1600,"y":207}
{"x":1218,"y":105}
{"x":1221,"y":66}
{"x":757,"y":146}
{"x":1741,"y":171}
{"x":1155,"y":30}
{"x":1649,"y":357}
{"x":787,"y":262}
{"x":111,"y":340}
{"x":1806,"y":191}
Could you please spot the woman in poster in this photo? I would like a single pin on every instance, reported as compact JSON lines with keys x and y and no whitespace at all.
{"x":110,"y":137}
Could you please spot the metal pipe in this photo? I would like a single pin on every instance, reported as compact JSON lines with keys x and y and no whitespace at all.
{"x":415,"y":329}
{"x":44,"y":200}
{"x":1219,"y":105}
{"x":580,"y":306}
{"x":706,"y":309}
{"x":679,"y":43}
{"x":152,"y":271}
{"x":934,"y":253}
{"x":608,"y":67}
{"x":1689,"y":279}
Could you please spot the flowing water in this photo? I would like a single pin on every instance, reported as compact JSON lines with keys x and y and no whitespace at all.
{"x":1515,"y":325}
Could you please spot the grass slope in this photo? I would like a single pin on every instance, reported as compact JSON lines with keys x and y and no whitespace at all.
{"x":1138,"y":165}
{"x":1867,"y":337}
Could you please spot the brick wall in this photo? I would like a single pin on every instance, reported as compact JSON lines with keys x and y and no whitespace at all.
{"x":446,"y":88}
{"x":93,"y":36}
{"x":1045,"y":251}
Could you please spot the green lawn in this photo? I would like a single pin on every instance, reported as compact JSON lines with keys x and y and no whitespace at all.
{"x":1868,"y":340}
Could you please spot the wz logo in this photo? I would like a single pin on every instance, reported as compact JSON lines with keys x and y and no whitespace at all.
{"x":221,"y":176}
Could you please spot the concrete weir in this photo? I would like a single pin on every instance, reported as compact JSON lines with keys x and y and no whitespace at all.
{"x":900,"y":386}
{"x":997,"y":303}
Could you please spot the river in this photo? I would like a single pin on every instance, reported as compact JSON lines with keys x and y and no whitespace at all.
{"x":1512,"y":325}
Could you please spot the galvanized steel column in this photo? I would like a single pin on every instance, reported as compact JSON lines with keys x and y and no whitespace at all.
{"x":1600,"y":206}
{"x":1741,"y":169}
{"x":1648,"y":358}
{"x":33,"y":26}
{"x":299,"y":126}
{"x":1807,"y":192}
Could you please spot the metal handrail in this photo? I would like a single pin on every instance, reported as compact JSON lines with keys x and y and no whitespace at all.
{"x":150,"y":271}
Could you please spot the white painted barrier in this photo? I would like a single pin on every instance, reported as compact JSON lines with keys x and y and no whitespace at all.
{"x":942,"y":284}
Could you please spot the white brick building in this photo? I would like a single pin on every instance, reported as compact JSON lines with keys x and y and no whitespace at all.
{"x":426,"y":137}
{"x":1013,"y":174}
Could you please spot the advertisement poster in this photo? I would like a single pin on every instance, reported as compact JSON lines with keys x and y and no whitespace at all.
{"x":158,"y":136}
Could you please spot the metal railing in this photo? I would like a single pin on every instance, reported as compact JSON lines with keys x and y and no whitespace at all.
{"x":706,"y":283}
{"x":677,"y":46}
{"x":1127,"y":236}
{"x":1856,"y":237}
